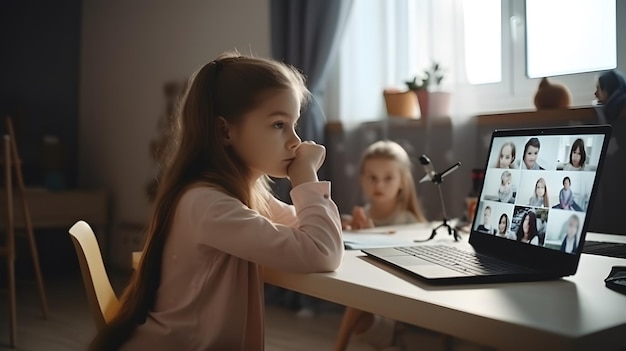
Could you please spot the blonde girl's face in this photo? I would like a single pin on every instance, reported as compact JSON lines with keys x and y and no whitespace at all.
{"x":572,"y":227}
{"x":576,"y":156}
{"x":506,"y":156}
{"x":530,"y":157}
{"x":540,"y":189}
{"x":381,"y":180}
{"x":266,"y":138}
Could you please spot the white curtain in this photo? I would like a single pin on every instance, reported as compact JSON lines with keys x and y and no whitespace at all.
{"x":387,"y":43}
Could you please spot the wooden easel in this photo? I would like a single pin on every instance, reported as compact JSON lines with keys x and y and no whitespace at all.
{"x":12,"y":164}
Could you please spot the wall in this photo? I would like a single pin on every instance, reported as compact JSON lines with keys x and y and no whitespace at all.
{"x":39,"y":81}
{"x":128,"y":51}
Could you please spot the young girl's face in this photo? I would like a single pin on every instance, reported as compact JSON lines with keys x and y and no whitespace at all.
{"x":486,"y":215}
{"x":572,"y":227}
{"x":566,"y":184}
{"x":502,"y":225}
{"x":530,"y":156}
{"x":266,"y":138}
{"x":526,"y":224}
{"x":506,"y":182}
{"x":506,"y":156}
{"x":381,"y":180}
{"x":576,"y":156}
{"x":540,"y":189}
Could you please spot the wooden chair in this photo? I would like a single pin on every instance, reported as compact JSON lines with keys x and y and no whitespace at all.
{"x":102,"y":299}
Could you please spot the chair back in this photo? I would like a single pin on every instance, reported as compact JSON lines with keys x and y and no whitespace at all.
{"x":102,"y":299}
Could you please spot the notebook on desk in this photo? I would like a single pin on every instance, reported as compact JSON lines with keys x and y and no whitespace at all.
{"x":532,"y":216}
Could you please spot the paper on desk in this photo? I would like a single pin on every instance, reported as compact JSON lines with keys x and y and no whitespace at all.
{"x":376,"y":237}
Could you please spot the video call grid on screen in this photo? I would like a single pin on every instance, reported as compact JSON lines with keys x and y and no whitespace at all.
{"x":546,"y":180}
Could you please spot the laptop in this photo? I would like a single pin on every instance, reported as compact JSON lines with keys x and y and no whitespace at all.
{"x":532,"y":214}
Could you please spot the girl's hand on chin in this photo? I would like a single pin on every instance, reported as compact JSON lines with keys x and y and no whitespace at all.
{"x":309,"y":158}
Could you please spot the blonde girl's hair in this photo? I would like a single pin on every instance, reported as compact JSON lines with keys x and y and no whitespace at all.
{"x":546,"y":201}
{"x":228,"y":87}
{"x":407,"y":196}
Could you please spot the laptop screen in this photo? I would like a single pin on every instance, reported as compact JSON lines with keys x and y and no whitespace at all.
{"x":538,"y":185}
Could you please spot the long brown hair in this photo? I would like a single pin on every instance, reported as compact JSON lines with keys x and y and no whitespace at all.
{"x":227,"y":87}
{"x":407,"y":196}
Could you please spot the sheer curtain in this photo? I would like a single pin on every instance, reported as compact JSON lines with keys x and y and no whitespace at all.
{"x":387,"y":43}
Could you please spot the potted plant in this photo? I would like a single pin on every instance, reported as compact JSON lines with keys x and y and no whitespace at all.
{"x":432,"y":101}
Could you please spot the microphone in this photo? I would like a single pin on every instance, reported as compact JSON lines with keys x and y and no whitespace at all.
{"x":428,"y":168}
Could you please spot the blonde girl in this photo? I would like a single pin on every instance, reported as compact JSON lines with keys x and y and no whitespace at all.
{"x":540,"y":198}
{"x":215,"y":224}
{"x":388,"y":184}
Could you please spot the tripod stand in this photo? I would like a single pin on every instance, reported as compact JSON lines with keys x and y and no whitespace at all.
{"x":437,"y":178}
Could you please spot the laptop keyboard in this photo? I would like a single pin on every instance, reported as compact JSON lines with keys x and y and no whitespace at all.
{"x":605,"y":249}
{"x":463,"y":261}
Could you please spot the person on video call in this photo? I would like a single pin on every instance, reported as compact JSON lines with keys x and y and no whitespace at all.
{"x":531,"y":153}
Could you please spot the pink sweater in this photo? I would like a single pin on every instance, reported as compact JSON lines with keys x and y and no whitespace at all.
{"x":211,"y":292}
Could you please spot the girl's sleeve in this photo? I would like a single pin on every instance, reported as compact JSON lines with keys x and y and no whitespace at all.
{"x":282,"y":213}
{"x":312,"y":244}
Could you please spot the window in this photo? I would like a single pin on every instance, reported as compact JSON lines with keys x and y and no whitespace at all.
{"x":494,"y":51}
{"x":483,"y":41}
{"x":565,"y":39}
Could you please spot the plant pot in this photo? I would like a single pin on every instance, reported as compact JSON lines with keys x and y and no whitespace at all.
{"x":433,"y":104}
{"x":439,"y":104}
{"x":400,"y":103}
{"x":423,"y":98}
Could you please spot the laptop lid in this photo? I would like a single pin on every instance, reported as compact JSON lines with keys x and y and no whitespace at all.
{"x":535,"y":203}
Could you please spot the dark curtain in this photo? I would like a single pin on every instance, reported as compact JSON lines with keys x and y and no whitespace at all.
{"x":306,"y":34}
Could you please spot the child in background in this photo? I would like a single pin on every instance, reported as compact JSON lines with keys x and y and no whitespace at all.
{"x":505,"y":192}
{"x":507,"y":156}
{"x":388,"y":184}
{"x":611,"y":93}
{"x":577,"y":157}
{"x":215,"y":224}
{"x":540,"y":199}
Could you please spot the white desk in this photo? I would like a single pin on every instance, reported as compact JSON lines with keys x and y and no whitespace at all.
{"x":574,"y":313}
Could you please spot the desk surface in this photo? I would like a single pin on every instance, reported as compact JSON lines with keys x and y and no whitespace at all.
{"x":573,"y":313}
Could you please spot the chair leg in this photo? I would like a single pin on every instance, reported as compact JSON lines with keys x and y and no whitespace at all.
{"x":12,"y":303}
{"x":349,"y":321}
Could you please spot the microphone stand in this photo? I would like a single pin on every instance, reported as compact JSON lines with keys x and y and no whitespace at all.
{"x":438,"y":179}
